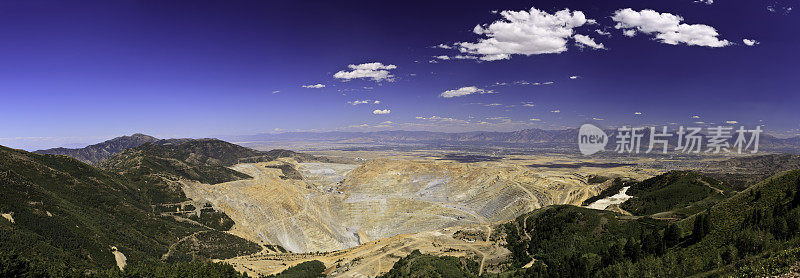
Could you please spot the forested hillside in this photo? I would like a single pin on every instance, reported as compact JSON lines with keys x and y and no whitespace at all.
{"x":68,"y":215}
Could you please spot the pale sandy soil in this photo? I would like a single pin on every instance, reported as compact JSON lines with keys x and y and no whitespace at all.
{"x":615,"y":199}
{"x":8,"y":217}
{"x":119,"y":258}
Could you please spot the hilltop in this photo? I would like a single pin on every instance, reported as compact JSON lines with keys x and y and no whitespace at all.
{"x":98,"y":152}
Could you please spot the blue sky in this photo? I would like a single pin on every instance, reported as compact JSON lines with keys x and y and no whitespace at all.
{"x":82,"y":71}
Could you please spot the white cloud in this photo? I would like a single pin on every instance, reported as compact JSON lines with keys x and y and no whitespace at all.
{"x":574,"y":77}
{"x":376,"y":102}
{"x":381,"y":112}
{"x":695,"y":117}
{"x":387,"y":123}
{"x":598,"y":119}
{"x":583,"y":40}
{"x":528,"y":104}
{"x":731,"y":122}
{"x":497,"y":118}
{"x":463,"y":91}
{"x":466,"y":57}
{"x":530,"y":32}
{"x":454,"y":57}
{"x":317,"y":86}
{"x":667,"y":28}
{"x":749,"y":42}
{"x":629,"y":33}
{"x":441,"y":119}
{"x":535,"y":120}
{"x":637,"y":113}
{"x":375,"y":71}
{"x":357,"y":102}
{"x":275,"y":92}
{"x":707,"y":2}
{"x":443,"y":46}
{"x":602,"y":32}
{"x":556,"y":111}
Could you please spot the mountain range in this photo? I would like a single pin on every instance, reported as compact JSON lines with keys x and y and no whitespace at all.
{"x":565,"y":138}
{"x":93,"y":154}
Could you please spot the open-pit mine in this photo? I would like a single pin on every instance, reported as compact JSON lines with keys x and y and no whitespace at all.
{"x":361,"y":218}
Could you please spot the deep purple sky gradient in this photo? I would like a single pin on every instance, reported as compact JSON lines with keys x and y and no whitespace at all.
{"x":85,"y":71}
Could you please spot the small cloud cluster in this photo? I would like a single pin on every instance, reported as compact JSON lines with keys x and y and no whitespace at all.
{"x":463,"y":91}
{"x":497,"y":118}
{"x":454,"y":57}
{"x":585,"y":41}
{"x":381,"y":112}
{"x":440,"y":119}
{"x":366,"y":101}
{"x":602,"y":32}
{"x":774,"y":9}
{"x":527,"y":33}
{"x":667,"y":28}
{"x":522,"y":82}
{"x":316,"y":86}
{"x":750,"y":42}
{"x":375,"y":71}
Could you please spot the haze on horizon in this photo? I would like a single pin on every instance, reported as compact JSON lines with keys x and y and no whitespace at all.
{"x":85,"y":71}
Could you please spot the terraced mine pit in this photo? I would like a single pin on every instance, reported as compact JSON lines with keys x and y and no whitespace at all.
{"x":340,"y":206}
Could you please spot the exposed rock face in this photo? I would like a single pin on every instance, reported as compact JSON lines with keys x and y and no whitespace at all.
{"x":337,"y":206}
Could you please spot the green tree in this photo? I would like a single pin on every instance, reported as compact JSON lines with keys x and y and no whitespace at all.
{"x":672,"y":234}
